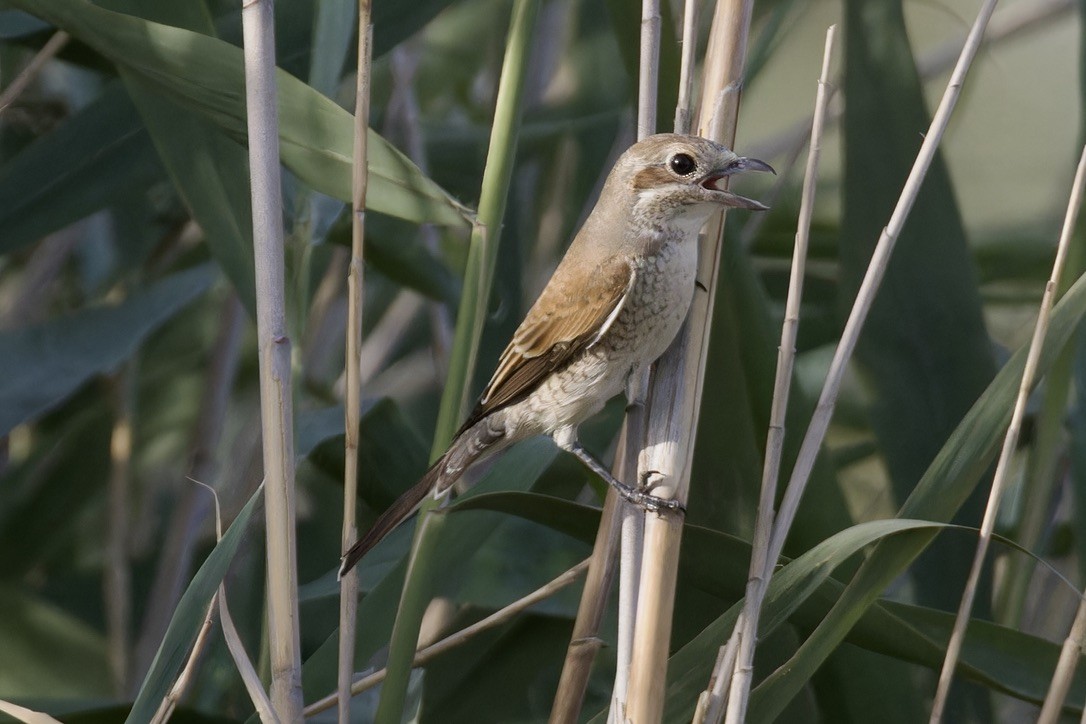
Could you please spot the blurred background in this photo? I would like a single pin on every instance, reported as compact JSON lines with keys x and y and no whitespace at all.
{"x":128,"y":364}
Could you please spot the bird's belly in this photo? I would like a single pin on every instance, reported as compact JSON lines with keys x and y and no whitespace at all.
{"x":568,"y":396}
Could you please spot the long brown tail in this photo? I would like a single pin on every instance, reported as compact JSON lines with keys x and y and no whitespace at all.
{"x":470,"y":444}
{"x":398,"y":512}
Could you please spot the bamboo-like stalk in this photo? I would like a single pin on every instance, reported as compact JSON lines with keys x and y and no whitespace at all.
{"x":427,"y":654}
{"x":747,"y":636}
{"x":276,"y":404}
{"x":648,"y":76}
{"x":684,"y":117}
{"x":584,"y":641}
{"x":478,"y":279}
{"x":48,"y":51}
{"x":352,"y":407}
{"x":631,"y":535}
{"x":619,"y":521}
{"x":827,"y":401}
{"x":118,"y":578}
{"x":1071,"y":651}
{"x":169,"y":702}
{"x":712,"y":701}
{"x":676,"y":391}
{"x":1061,"y":682}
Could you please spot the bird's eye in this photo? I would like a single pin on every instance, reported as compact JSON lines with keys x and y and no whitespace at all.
{"x":682,"y":164}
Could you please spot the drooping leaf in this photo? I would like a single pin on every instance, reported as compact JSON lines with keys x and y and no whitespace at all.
{"x":189,"y":616}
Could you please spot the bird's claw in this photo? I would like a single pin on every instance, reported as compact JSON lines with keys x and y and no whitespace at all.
{"x":651,"y":503}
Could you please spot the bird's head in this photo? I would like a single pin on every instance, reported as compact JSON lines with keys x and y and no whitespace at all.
{"x":674,"y":177}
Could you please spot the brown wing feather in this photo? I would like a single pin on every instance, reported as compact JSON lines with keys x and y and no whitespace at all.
{"x":563,"y":322}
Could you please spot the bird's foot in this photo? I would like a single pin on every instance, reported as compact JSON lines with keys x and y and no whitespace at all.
{"x":651,"y":503}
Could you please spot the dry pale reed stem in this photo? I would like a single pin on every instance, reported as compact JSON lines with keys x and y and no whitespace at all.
{"x":276,"y":405}
{"x":648,"y":76}
{"x":30,"y":72}
{"x":1070,"y":653}
{"x":712,"y":701}
{"x":761,"y":565}
{"x":1010,"y":443}
{"x":118,"y":580}
{"x":426,"y":655}
{"x":816,"y":431}
{"x":585,"y":642}
{"x":676,"y":391}
{"x":169,"y":703}
{"x":28,"y":716}
{"x":244,"y":665}
{"x":348,"y":592}
{"x":633,"y":518}
{"x":684,"y":116}
{"x":631,"y":540}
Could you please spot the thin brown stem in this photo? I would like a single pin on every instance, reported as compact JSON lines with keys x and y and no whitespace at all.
{"x":348,"y":601}
{"x":756,"y":582}
{"x":999,"y":481}
{"x":48,"y":51}
{"x":429,"y":653}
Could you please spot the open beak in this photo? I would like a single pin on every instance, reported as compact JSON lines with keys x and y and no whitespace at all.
{"x":718,"y":180}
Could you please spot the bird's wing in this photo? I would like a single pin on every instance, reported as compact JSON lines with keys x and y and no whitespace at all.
{"x":563,"y":323}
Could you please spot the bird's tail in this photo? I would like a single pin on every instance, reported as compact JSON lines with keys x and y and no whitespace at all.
{"x":470,"y":445}
{"x":404,"y":507}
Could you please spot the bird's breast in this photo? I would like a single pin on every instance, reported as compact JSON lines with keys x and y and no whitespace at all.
{"x":657,"y":304}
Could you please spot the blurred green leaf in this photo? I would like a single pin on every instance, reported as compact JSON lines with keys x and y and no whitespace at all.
{"x":210,"y":171}
{"x":189,"y":616}
{"x":52,"y":490}
{"x":44,"y":364}
{"x":47,"y":652}
{"x":206,"y":75}
{"x":14,"y":24}
{"x":96,"y":156}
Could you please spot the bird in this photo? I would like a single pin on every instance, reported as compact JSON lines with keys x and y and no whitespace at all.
{"x":612,"y":307}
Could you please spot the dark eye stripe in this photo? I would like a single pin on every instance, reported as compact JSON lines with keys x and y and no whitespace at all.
{"x":652,"y":177}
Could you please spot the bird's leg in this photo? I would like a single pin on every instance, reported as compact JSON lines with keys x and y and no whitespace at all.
{"x":570,"y":443}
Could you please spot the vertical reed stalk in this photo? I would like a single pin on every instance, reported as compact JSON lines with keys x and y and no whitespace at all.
{"x":676,"y":391}
{"x":747,"y":635}
{"x":1061,"y":681}
{"x":276,"y":405}
{"x":816,"y":431}
{"x":478,"y":279}
{"x":348,"y":592}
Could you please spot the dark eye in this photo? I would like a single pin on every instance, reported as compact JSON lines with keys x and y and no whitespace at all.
{"x":682,"y":164}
